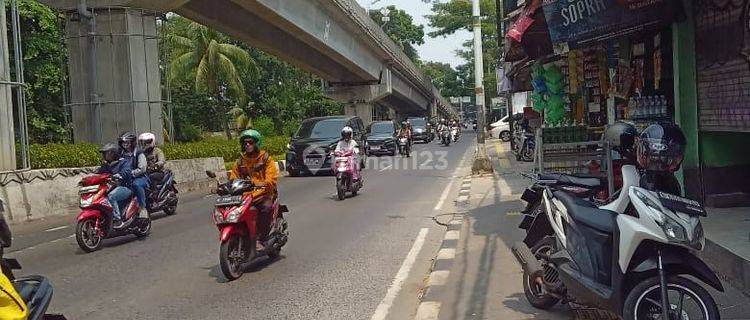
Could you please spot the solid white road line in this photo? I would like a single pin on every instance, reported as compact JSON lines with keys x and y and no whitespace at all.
{"x":382,"y":310}
{"x":447,"y":189}
{"x":428,"y":310}
{"x":55,"y":229}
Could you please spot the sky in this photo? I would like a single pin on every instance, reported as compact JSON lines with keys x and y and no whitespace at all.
{"x":434,"y":49}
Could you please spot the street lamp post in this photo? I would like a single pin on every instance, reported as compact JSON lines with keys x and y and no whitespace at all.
{"x":482,"y":163}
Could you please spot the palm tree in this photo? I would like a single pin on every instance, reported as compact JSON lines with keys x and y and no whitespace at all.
{"x":200,"y":53}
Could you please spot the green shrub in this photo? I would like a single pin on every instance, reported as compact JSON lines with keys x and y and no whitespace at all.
{"x":63,"y":155}
{"x":85,"y":155}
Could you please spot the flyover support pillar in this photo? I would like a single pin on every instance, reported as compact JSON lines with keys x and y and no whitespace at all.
{"x":362,"y":110}
{"x":7,"y":135}
{"x":115,"y":81}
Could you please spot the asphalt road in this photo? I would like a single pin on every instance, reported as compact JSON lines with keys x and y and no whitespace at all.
{"x":340,"y":262}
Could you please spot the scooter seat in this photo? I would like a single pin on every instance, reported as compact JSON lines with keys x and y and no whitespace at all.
{"x":562,"y":178}
{"x":587,"y":213}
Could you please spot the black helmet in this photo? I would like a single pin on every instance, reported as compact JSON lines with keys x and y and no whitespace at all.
{"x":127,"y":137}
{"x":621,"y":137}
{"x":661,"y":147}
{"x":110,"y":153}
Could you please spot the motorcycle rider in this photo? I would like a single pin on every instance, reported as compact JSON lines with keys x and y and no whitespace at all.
{"x":256,"y":165}
{"x":348,"y":144}
{"x":120,"y":169}
{"x":155,"y":159}
{"x":127,"y":144}
{"x":405,"y":132}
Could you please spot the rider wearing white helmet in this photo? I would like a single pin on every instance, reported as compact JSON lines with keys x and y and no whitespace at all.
{"x":347,"y":143}
{"x":154,"y":156}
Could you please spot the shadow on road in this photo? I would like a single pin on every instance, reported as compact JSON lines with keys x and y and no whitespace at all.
{"x":254,"y":266}
{"x":494,"y":231}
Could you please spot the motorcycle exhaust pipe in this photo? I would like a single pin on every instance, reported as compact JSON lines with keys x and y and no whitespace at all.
{"x":528,"y":261}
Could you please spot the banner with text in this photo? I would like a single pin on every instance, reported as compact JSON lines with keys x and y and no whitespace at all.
{"x":579,"y":22}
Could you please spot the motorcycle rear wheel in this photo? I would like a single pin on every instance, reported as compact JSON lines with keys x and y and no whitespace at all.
{"x":232,"y":257}
{"x":340,"y":189}
{"x":533,"y":291}
{"x":87,"y":236}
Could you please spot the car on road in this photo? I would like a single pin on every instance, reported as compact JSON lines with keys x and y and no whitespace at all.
{"x":309,"y":151}
{"x":420,"y":130}
{"x":381,"y":138}
{"x":501,"y":129}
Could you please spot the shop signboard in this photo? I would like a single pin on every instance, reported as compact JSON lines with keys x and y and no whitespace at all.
{"x":578,"y":22}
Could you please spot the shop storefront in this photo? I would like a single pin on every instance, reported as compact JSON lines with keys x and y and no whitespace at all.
{"x":609,"y":61}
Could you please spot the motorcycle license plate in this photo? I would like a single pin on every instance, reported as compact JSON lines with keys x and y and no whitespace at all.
{"x":681,"y":204}
{"x":226,"y":201}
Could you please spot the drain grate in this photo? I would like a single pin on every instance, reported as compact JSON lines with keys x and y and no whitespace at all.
{"x":587,"y":313}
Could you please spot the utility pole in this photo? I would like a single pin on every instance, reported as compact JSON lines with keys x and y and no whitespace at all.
{"x":482,"y":163}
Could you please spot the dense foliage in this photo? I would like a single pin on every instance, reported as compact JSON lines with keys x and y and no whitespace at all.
{"x":402,"y":30}
{"x":451,"y":16}
{"x":43,"y":59}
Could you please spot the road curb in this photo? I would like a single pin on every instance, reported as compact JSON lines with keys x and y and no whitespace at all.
{"x":464,"y":193}
{"x":435,"y":282}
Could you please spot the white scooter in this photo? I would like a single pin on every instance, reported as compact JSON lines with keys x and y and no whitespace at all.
{"x":628,"y":257}
{"x":454,"y":134}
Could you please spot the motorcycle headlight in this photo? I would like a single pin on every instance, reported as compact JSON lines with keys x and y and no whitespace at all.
{"x":674,"y":231}
{"x":87,"y":202}
{"x":234,"y":215}
{"x":218,"y":216}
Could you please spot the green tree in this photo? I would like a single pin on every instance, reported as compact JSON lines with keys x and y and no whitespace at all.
{"x":204,"y":55}
{"x":455,"y":15}
{"x":402,"y":30}
{"x":447,"y":79}
{"x":43,"y":56}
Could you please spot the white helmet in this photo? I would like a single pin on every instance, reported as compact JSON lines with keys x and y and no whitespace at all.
{"x":147,"y":140}
{"x":346,"y":132}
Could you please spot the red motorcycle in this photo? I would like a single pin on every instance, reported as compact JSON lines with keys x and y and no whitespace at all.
{"x":95,"y":220}
{"x":237,"y":219}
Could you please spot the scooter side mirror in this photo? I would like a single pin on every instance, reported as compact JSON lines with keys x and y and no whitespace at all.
{"x":211,"y":174}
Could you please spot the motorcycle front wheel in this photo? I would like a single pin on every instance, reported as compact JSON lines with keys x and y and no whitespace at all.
{"x":88,"y":236}
{"x":687,"y":300}
{"x":144,"y":229}
{"x":232,"y":255}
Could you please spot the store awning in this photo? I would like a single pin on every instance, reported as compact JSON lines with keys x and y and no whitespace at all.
{"x":529,"y":36}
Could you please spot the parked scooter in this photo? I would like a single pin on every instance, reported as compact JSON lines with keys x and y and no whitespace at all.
{"x":162,"y":194}
{"x":95,"y":220}
{"x":403,"y":147}
{"x":348,"y":178}
{"x":628,"y":257}
{"x":527,"y":146}
{"x":237,"y":220}
{"x":30,"y":295}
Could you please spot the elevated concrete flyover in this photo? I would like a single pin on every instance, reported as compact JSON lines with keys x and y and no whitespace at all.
{"x":334,"y":39}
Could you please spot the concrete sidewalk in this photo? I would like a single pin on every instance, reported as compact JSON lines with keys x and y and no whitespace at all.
{"x":484,"y":279}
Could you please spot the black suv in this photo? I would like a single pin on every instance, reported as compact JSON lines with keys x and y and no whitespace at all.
{"x":309,"y":150}
{"x":381,"y":138}
{"x":420,"y":131}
